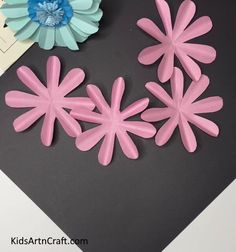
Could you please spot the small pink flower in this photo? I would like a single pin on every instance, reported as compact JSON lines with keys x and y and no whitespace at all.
{"x":182,"y":110}
{"x":174,"y":42}
{"x":49,"y":101}
{"x":112,"y":123}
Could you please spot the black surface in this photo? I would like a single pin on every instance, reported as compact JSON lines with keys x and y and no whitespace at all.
{"x":130,"y":205}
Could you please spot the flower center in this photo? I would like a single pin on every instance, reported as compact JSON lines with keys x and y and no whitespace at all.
{"x":113,"y":121}
{"x":51,"y":13}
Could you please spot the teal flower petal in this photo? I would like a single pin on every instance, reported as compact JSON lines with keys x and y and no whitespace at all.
{"x":27,"y":31}
{"x":77,"y":30}
{"x":91,"y":10}
{"x":79,"y":35}
{"x":17,"y":23}
{"x":79,"y":38}
{"x":59,"y":40}
{"x":81,"y":4}
{"x":47,"y":38}
{"x":35,"y":36}
{"x":68,"y":37}
{"x":14,"y":11}
{"x":16,"y":1}
{"x":95,"y":17}
{"x":85,"y":24}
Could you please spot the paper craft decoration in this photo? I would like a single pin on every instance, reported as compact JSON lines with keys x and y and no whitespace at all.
{"x":49,"y":101}
{"x":182,"y":110}
{"x":175,"y":41}
{"x":10,"y":48}
{"x":113,"y":123}
{"x":53,"y":22}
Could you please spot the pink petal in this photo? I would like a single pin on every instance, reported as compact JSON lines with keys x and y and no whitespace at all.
{"x":200,"y":27}
{"x":72,"y":80}
{"x":77,"y":103}
{"x":203,"y":53}
{"x":185,"y":14}
{"x":27,"y":119}
{"x":205,"y":125}
{"x":117,"y":93}
{"x":69,"y":124}
{"x":142,"y":129}
{"x":53,"y":73}
{"x":135,"y":108}
{"x":88,"y":139}
{"x":166,"y":131}
{"x":159,"y":93}
{"x":208,"y":105}
{"x":127,"y":145}
{"x":164,"y":11}
{"x":48,"y":128}
{"x":177,"y":86}
{"x":151,"y":54}
{"x":187,"y":135}
{"x":191,"y":68}
{"x":150,"y":27}
{"x":97,"y":98}
{"x":106,"y":150}
{"x":195,"y":90}
{"x":156,"y":114}
{"x":18,"y":99}
{"x":87,"y":116}
{"x":31,"y":81}
{"x":166,"y":67}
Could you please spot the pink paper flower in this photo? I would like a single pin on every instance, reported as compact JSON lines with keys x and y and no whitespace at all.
{"x":174,"y":42}
{"x":112,"y":123}
{"x":182,"y":110}
{"x":49,"y":101}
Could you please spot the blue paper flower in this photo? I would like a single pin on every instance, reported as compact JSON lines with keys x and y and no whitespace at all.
{"x":53,"y":22}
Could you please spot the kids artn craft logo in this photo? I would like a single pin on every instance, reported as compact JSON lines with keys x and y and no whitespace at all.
{"x":47,"y":241}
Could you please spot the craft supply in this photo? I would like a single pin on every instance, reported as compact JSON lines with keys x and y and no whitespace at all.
{"x":53,"y":22}
{"x":174,"y":42}
{"x":49,"y":101}
{"x":113,"y":123}
{"x":183,"y":109}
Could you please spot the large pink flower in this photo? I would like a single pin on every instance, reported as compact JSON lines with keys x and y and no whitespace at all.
{"x":182,"y":110}
{"x":174,"y":42}
{"x":49,"y":101}
{"x":112,"y":123}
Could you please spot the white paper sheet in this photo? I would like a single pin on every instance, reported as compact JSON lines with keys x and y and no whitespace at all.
{"x":10,"y":49}
{"x":20,"y":217}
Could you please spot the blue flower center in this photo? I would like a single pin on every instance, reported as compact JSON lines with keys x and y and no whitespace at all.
{"x":50,"y":13}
